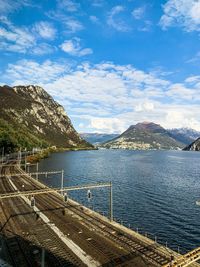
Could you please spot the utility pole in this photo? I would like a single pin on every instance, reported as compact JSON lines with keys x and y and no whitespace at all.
{"x":37,"y":169}
{"x":62,"y":181}
{"x":25,"y":161}
{"x":111,"y":203}
{"x":20,"y":156}
{"x":43,"y":258}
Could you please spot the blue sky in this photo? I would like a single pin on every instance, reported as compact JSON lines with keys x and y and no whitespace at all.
{"x":109,"y":63}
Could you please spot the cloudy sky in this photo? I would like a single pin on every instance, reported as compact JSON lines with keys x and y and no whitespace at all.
{"x":109,"y":63}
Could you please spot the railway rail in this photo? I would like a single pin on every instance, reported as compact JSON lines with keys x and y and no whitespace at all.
{"x":108,"y":242}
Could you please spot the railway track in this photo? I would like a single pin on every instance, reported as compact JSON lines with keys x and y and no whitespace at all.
{"x":109,"y":243}
{"x":130,"y":244}
{"x":53,"y":207}
{"x":124,"y":240}
{"x":18,"y":220}
{"x":11,"y":242}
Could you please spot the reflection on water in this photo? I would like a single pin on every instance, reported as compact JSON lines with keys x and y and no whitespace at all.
{"x":153,"y":190}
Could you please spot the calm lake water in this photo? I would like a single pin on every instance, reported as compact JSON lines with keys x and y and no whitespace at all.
{"x":154,"y":191}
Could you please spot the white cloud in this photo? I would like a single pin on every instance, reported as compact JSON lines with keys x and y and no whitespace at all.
{"x":138,"y":13}
{"x":182,"y":117}
{"x":4,"y":20}
{"x":42,"y":49}
{"x":60,"y":13}
{"x":192,"y":79}
{"x":144,"y":106}
{"x":146,"y":27}
{"x":97,"y":3}
{"x":24,"y":39}
{"x":180,"y":91}
{"x":73,"y":25}
{"x":94,"y":19}
{"x":8,"y":6}
{"x":31,"y":72}
{"x":117,"y":23}
{"x":182,"y":13}
{"x":15,"y":39}
{"x":109,"y":97}
{"x":107,"y":125}
{"x":68,"y":5}
{"x":73,"y":47}
{"x":45,"y":29}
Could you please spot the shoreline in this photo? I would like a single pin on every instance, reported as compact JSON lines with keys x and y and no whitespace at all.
{"x":45,"y":153}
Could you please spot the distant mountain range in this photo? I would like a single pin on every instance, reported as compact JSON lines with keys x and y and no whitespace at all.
{"x":29,"y":117}
{"x":146,"y":135}
{"x":184,"y":135}
{"x":97,"y":138}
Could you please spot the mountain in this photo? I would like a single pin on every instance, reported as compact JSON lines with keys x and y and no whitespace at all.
{"x":146,"y":135}
{"x":184,"y":135}
{"x":97,"y":138}
{"x":30,"y":117}
{"x":194,"y":146}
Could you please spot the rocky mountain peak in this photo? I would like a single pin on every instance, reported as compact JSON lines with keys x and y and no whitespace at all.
{"x":34,"y":108}
{"x":41,"y":99}
{"x":147,"y":126}
{"x":32,"y":90}
{"x":35,"y":92}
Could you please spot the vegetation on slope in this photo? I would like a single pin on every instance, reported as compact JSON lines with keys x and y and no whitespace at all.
{"x":14,"y":137}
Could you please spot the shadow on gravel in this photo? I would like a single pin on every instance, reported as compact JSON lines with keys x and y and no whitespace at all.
{"x":17,"y":251}
{"x":131,"y":259}
{"x":25,"y":250}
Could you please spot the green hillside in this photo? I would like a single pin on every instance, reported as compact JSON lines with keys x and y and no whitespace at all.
{"x":12,"y":137}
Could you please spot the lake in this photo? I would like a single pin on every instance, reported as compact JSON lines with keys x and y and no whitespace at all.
{"x":155,"y":191}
